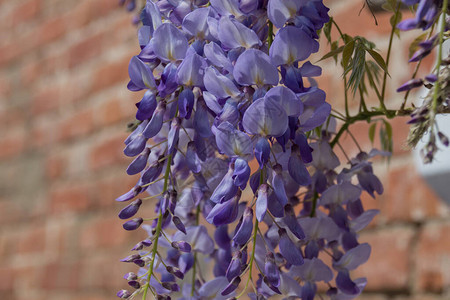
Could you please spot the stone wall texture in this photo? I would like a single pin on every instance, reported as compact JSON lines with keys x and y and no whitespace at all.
{"x":64,"y":107}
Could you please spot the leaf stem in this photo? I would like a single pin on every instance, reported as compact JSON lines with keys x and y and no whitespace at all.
{"x":388,"y":57}
{"x":158,"y":230}
{"x":270,"y":35}
{"x":194,"y":267}
{"x":438,"y":66}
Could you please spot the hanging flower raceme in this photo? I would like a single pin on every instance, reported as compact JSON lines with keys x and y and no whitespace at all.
{"x":438,"y":97}
{"x":222,"y":90}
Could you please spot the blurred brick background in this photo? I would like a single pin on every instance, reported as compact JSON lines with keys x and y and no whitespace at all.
{"x":63,"y":113}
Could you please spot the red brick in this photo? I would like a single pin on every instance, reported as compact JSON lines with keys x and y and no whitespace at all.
{"x":55,"y":166}
{"x":9,"y":211}
{"x":46,"y":99}
{"x":400,"y":134}
{"x":5,"y":86}
{"x":86,"y":49}
{"x":12,"y":144}
{"x":105,"y":232}
{"x":26,"y":11}
{"x":110,"y":112}
{"x":51,"y":30}
{"x":61,"y":275}
{"x":9,"y":53}
{"x":108,"y":153}
{"x":32,"y":240}
{"x":78,"y":124}
{"x":71,"y":197}
{"x":53,"y":63}
{"x":114,"y":110}
{"x":354,"y":14}
{"x":87,"y":11}
{"x":111,"y":187}
{"x":388,"y":268}
{"x":6,"y":279}
{"x":27,"y":277}
{"x":112,"y":73}
{"x":98,"y":274}
{"x":30,"y":72}
{"x":407,"y":197}
{"x":433,"y":257}
{"x":12,"y":117}
{"x":42,"y":135}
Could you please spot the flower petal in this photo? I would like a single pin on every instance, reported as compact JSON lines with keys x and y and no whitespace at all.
{"x":254,"y":67}
{"x":265,"y":117}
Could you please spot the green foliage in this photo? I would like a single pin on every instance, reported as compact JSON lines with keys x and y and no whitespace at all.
{"x":386,"y":136}
{"x":392,"y":6}
{"x":372,"y":129}
{"x":354,"y":62}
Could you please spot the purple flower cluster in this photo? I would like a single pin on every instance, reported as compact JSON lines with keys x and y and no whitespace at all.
{"x":426,"y":14}
{"x":227,"y":82}
{"x":438,"y":98}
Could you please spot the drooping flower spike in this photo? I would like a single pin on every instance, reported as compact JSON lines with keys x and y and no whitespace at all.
{"x":222,"y":90}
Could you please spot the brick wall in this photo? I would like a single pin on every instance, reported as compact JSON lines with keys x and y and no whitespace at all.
{"x":63,"y":111}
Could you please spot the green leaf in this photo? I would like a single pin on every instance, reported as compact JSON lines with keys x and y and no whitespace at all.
{"x":394,"y":20}
{"x":388,"y":129}
{"x":372,"y":132}
{"x":332,"y":53}
{"x":327,"y":30}
{"x":386,"y":137}
{"x":379,"y":60}
{"x":357,"y":67}
{"x":347,"y":38}
{"x":347,"y":53}
{"x":390,"y":5}
{"x":372,"y":71}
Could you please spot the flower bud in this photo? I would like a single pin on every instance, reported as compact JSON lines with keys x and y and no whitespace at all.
{"x":130,"y":194}
{"x":130,"y":276}
{"x":139,"y":163}
{"x":132,"y":224}
{"x":175,"y":271}
{"x":136,"y":146}
{"x":182,"y":246}
{"x":123,"y":294}
{"x":178,"y":224}
{"x":172,"y":200}
{"x":173,"y":136}
{"x":171,"y":286}
{"x":291,"y":221}
{"x":443,"y":138}
{"x":130,"y":210}
{"x":262,"y":151}
{"x":245,"y":230}
{"x":130,"y":258}
{"x":271,"y":271}
{"x":409,"y":85}
{"x":261,"y":202}
{"x":142,"y":244}
{"x":134,"y":284}
{"x":141,"y":262}
{"x":232,"y":286}
{"x":234,"y":268}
